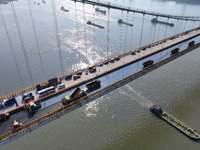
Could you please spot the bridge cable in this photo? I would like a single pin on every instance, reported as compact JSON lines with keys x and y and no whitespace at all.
{"x":120,"y":39}
{"x":150,"y":35}
{"x":22,"y":42}
{"x":153,"y":40}
{"x":131,"y":45}
{"x":108,"y":27}
{"x":94,"y":31}
{"x":36,"y":38}
{"x":11,"y":47}
{"x":184,"y":26}
{"x":77,"y":34}
{"x":158,"y":31}
{"x":57,"y":35}
{"x":126,"y":34}
{"x":166,"y":29}
{"x":142,"y":30}
{"x":175,"y":31}
{"x":85,"y":33}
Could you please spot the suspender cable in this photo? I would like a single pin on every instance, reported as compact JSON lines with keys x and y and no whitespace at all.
{"x":150,"y":33}
{"x":120,"y":39}
{"x":36,"y":39}
{"x":166,"y":28}
{"x":22,"y":42}
{"x":85,"y":33}
{"x":94,"y":32}
{"x":57,"y":35}
{"x":175,"y":31}
{"x":158,"y":31}
{"x":126,"y":33}
{"x":184,"y":26}
{"x":131,"y":45}
{"x":108,"y":22}
{"x":11,"y":47}
{"x":77,"y":34}
{"x":142,"y":30}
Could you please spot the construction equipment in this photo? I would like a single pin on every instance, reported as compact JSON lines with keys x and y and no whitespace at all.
{"x":74,"y":96}
{"x":31,"y":107}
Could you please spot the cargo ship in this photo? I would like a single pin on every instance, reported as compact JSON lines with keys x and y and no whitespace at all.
{"x":191,"y":133}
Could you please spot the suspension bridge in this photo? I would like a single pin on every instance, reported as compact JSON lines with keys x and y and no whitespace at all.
{"x":112,"y":71}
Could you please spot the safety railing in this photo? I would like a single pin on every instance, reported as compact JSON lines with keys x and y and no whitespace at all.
{"x":56,"y":113}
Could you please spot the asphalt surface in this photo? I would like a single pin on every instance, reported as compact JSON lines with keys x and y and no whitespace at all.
{"x":24,"y":117}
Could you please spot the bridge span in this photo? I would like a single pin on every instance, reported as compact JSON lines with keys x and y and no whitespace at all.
{"x":130,"y":9}
{"x":112,"y":75}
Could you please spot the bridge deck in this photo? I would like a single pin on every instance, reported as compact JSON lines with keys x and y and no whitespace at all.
{"x":125,"y":59}
{"x":156,"y":53}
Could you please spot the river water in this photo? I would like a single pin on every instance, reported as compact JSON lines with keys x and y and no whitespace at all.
{"x":120,"y":119}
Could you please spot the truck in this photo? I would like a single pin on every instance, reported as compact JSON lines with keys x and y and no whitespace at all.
{"x":93,"y":84}
{"x":147,"y":63}
{"x":31,"y":107}
{"x":78,"y":93}
{"x":27,"y":97}
{"x":9,"y":101}
{"x":92,"y":68}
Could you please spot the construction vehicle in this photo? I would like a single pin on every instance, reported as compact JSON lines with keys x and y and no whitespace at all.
{"x":74,"y":96}
{"x":4,"y":116}
{"x":94,"y":84}
{"x":31,"y":107}
{"x":16,"y":125}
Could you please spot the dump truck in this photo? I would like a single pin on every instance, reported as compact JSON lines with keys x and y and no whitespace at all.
{"x":93,"y":84}
{"x":74,"y":96}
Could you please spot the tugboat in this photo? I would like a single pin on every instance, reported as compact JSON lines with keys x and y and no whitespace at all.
{"x":191,"y":133}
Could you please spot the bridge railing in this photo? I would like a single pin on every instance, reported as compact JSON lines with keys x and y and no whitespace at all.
{"x":56,"y":113}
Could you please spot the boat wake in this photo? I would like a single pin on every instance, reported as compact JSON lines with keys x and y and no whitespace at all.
{"x":136,"y":97}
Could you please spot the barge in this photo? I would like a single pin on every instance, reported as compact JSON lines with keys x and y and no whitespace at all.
{"x":155,"y":20}
{"x":95,"y":25}
{"x":188,"y":131}
{"x":120,"y":21}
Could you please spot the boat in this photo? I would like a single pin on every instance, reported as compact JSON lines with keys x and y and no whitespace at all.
{"x":95,"y":25}
{"x":155,"y":20}
{"x":63,"y":9}
{"x":188,"y":131}
{"x":120,"y":21}
{"x":101,"y":11}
